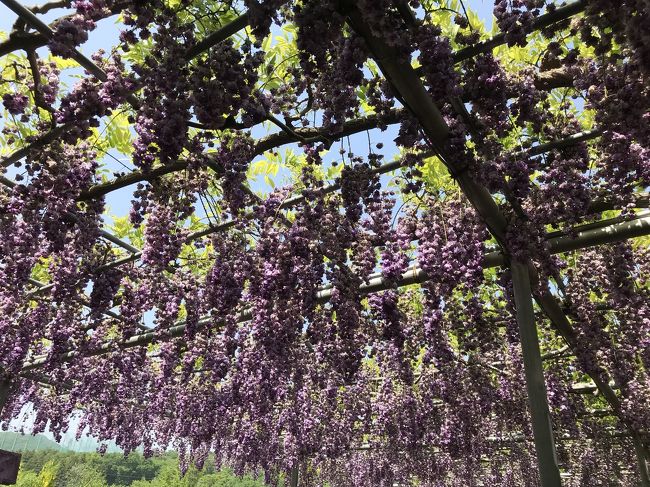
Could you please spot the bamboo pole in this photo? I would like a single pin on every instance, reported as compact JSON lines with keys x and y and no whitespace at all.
{"x":549,"y":471}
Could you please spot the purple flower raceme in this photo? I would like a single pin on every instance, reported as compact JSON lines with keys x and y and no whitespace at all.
{"x":15,"y":104}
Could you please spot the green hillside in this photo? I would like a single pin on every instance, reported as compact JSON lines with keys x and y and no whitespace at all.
{"x":12,"y":441}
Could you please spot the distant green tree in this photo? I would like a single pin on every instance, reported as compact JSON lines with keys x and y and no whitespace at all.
{"x":69,"y":469}
{"x":45,"y":478}
{"x":83,"y":475}
{"x":48,"y":474}
{"x":35,"y":460}
{"x":26,"y":478}
{"x":119,"y":469}
{"x":226,"y":478}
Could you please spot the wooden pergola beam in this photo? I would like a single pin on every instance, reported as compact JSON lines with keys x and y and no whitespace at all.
{"x":542,"y":22}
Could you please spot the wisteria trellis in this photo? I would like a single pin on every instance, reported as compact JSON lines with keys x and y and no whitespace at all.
{"x":340,"y":330}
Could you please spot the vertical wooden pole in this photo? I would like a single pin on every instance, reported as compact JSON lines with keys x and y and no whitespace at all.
{"x":294,"y":477}
{"x":641,"y":454}
{"x":5,"y":389}
{"x":538,"y":402}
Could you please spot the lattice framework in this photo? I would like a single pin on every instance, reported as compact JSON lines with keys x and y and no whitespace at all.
{"x":409,"y":89}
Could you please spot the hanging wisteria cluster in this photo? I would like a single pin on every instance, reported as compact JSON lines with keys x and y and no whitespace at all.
{"x":357,"y":328}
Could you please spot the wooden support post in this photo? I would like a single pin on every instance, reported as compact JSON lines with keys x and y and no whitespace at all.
{"x":550,"y":306}
{"x":5,"y":389}
{"x":294,"y":477}
{"x":641,"y":453}
{"x":549,"y":471}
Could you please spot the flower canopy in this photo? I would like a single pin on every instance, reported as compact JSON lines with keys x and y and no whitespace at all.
{"x":368,"y":243}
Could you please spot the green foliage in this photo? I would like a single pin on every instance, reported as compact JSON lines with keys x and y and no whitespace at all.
{"x":281,"y":55}
{"x":27,"y":478}
{"x":435,"y":176}
{"x":118,"y":133}
{"x":68,"y":469}
{"x":226,"y":478}
{"x":122,"y":228}
{"x":82,"y":474}
{"x":170,"y":476}
{"x":138,"y":52}
{"x":267,"y":168}
{"x":47,"y":477}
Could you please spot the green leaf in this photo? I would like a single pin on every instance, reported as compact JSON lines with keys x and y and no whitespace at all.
{"x":334,"y":171}
{"x":121,"y":226}
{"x":118,"y":134}
{"x":269,"y":181}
